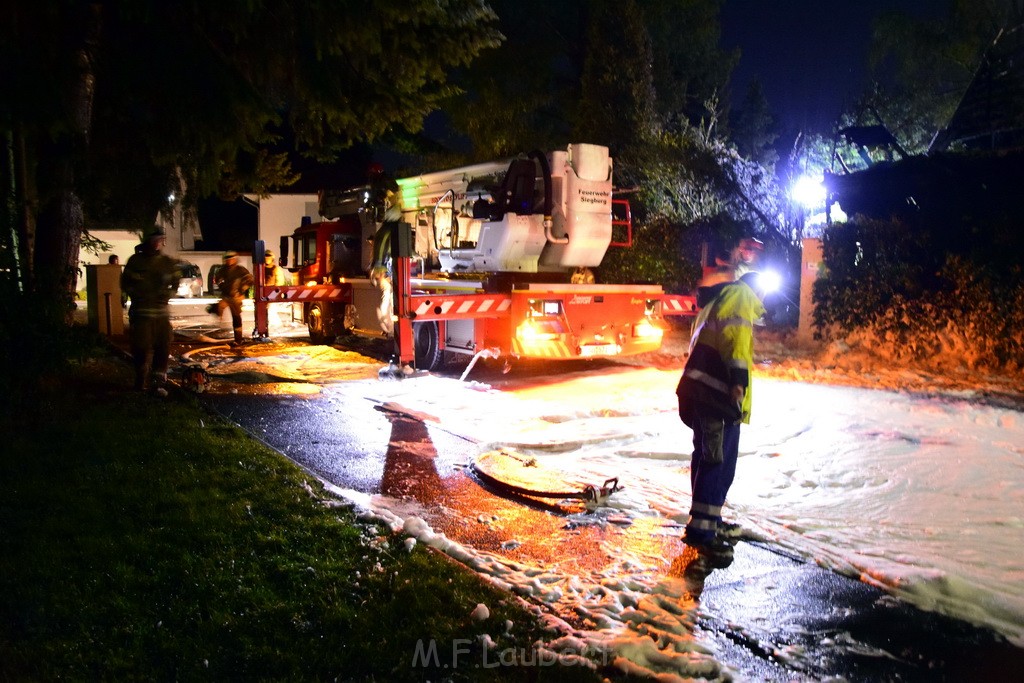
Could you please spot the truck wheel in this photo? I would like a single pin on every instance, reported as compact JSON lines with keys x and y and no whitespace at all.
{"x":427,"y":346}
{"x":318,"y":324}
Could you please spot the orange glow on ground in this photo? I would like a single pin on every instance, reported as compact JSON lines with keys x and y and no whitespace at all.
{"x":592,"y":391}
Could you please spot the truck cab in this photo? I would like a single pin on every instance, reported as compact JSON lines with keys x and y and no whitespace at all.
{"x":326,"y":252}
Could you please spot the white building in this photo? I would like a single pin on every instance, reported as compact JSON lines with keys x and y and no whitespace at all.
{"x":277,"y":216}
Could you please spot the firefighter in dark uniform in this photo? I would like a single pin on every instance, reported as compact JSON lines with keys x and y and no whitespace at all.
{"x":233,"y":282}
{"x":149,"y":278}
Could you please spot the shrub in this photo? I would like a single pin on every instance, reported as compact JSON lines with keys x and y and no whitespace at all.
{"x":886,"y":289}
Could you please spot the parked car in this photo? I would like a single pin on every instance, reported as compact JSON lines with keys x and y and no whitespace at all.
{"x":211,"y":281}
{"x":191,"y":282}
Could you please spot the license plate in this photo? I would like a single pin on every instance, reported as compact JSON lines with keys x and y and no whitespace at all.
{"x":592,"y":350}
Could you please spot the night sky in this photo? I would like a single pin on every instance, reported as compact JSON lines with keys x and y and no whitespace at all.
{"x":810,"y":55}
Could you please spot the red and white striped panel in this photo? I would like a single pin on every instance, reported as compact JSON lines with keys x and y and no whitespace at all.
{"x":311,"y":293}
{"x":460,"y":307}
{"x":677,"y":304}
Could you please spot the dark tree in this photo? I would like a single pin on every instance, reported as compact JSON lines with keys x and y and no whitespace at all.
{"x":617,"y":102}
{"x":752,"y":127}
{"x":123,"y":101}
{"x":689,"y":66}
{"x":923,"y":67}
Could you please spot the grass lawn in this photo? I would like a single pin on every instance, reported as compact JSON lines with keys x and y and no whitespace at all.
{"x":147,"y":539}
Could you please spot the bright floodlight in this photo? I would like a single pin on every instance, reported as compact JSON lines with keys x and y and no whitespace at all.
{"x":808,"y":192}
{"x":769,"y":281}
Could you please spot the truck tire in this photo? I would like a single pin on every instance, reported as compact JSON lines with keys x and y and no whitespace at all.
{"x":318,"y":322}
{"x":427,"y":345}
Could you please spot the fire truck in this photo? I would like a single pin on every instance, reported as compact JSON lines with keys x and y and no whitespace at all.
{"x":489,"y":260}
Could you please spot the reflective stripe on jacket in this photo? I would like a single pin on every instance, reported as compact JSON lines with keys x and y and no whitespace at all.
{"x":721,"y":356}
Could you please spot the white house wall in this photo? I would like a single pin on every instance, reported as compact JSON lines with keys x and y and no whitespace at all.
{"x":279,"y":215}
{"x":121,"y":243}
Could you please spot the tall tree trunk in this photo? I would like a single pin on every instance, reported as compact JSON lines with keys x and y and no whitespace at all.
{"x":61,"y":218}
{"x":26,"y":217}
{"x":10,"y":224}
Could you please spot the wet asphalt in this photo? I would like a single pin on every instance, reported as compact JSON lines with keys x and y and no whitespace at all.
{"x":768,"y":616}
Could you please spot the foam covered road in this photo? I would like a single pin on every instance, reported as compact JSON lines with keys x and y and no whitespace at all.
{"x":767,"y":616}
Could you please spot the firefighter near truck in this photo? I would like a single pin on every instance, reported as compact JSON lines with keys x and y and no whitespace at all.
{"x":489,"y":260}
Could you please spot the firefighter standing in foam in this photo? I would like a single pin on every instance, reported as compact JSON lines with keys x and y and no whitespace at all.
{"x":275,"y":276}
{"x":150,"y":278}
{"x":715,"y":398}
{"x":233,"y":281}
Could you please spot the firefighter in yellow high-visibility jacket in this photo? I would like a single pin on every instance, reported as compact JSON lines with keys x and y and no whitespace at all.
{"x":714,"y":400}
